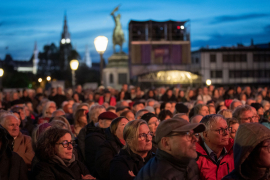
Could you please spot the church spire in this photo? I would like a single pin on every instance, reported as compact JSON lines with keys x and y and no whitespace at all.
{"x":87,"y":58}
{"x":35,"y":59}
{"x":65,"y":38}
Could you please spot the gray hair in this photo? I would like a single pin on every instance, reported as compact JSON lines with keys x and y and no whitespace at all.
{"x":240,"y":110}
{"x":197,"y":108}
{"x":209,"y":120}
{"x":94,"y":112}
{"x":233,"y":102}
{"x":150,"y":100}
{"x":46,"y":107}
{"x":140,"y":113}
{"x":59,"y":124}
{"x":264,"y":103}
{"x":5,"y":117}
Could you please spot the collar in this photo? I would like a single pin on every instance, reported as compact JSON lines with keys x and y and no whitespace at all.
{"x":213,"y":155}
{"x":63,"y":162}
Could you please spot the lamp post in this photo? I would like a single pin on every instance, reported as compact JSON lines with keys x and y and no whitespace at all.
{"x":1,"y":75}
{"x":101,"y":43}
{"x":74,"y":66}
{"x":48,"y":78}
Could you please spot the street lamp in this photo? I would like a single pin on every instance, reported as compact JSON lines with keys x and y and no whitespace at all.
{"x":39,"y":80}
{"x":1,"y":75}
{"x":101,"y":43}
{"x":48,"y":78}
{"x":208,"y":82}
{"x":74,"y":66}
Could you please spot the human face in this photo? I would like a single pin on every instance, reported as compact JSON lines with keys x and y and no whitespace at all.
{"x":130,"y":116}
{"x":212,"y":110}
{"x":182,"y":148}
{"x":142,"y":144}
{"x":247,"y":117}
{"x":213,"y":138}
{"x":264,"y":156}
{"x":260,"y":111}
{"x":120,"y":128}
{"x":169,"y":93}
{"x":204,"y":111}
{"x":153,"y":124}
{"x":138,"y":107}
{"x":205,"y":91}
{"x":83,"y":119}
{"x":79,"y":89}
{"x":236,"y":104}
{"x":266,"y":107}
{"x":12,"y":126}
{"x":234,"y":129}
{"x":64,"y":153}
{"x":168,"y":106}
{"x":151,"y":94}
{"x":70,"y":110}
{"x":51,"y":108}
{"x":151,"y":103}
{"x":104,"y":123}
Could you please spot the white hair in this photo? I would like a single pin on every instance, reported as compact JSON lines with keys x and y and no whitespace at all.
{"x":5,"y":117}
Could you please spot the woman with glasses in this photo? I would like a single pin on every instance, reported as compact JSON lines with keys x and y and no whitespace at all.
{"x":57,"y":161}
{"x":135,"y":154}
{"x":251,"y":153}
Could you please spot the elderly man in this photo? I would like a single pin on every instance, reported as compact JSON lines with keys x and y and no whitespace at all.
{"x":22,"y":143}
{"x":176,"y":153}
{"x":96,"y":137}
{"x":245,"y":114}
{"x":137,"y":106}
{"x":215,"y":152}
{"x":235,"y":103}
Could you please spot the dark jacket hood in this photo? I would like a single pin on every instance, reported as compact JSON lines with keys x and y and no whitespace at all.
{"x":248,"y":136}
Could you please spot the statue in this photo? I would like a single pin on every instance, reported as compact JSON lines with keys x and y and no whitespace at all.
{"x":118,"y":34}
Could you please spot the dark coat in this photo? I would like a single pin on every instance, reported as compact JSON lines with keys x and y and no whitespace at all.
{"x":165,"y":98}
{"x":126,"y":161}
{"x":105,"y":154}
{"x":56,"y":171}
{"x":92,"y":141}
{"x":59,"y":99}
{"x":12,"y":166}
{"x":166,"y":167}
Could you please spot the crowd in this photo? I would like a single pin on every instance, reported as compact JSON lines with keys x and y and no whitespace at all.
{"x":159,"y":134}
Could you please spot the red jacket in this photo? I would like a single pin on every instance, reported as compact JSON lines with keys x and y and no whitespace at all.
{"x":209,"y":170}
{"x":112,"y":101}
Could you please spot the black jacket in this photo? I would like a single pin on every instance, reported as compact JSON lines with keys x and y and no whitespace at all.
{"x":92,"y":141}
{"x":56,"y":171}
{"x":126,"y":161}
{"x":12,"y":166}
{"x":59,"y":99}
{"x":105,"y":154}
{"x":166,"y":167}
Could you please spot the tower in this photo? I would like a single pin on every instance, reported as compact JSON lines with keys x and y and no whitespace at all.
{"x":65,"y":45}
{"x":87,"y":59}
{"x":35,"y":59}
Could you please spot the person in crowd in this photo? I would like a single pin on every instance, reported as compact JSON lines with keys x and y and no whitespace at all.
{"x":201,"y":109}
{"x":150,"y":102}
{"x":176,"y":153}
{"x":251,"y":153}
{"x":58,"y":112}
{"x":164,"y":115}
{"x":94,"y":112}
{"x":266,"y":105}
{"x":95,"y":138}
{"x":233,"y":125}
{"x":111,"y":109}
{"x":59,"y":98}
{"x":22,"y":143}
{"x":125,"y":89}
{"x":25,"y":98}
{"x":243,"y":98}
{"x":78,"y":90}
{"x":244,"y":114}
{"x":47,"y":111}
{"x":108,"y":98}
{"x":140,"y":113}
{"x":196,"y":119}
{"x":190,"y":95}
{"x":259,"y":108}
{"x":221,"y":107}
{"x":138,"y":105}
{"x":215,"y":95}
{"x":139,"y":94}
{"x":248,"y":92}
{"x":128,"y":115}
{"x":226,"y":113}
{"x":168,"y":96}
{"x":181,"y":96}
{"x":120,"y":109}
{"x":136,"y":152}
{"x":80,"y":121}
{"x":205,"y":96}
{"x":57,"y":161}
{"x":211,"y":109}
{"x":152,"y":122}
{"x":215,"y":148}
{"x":259,"y":98}
{"x":166,"y":106}
{"x":182,"y":116}
{"x":250,"y":101}
{"x":229,"y":94}
{"x":76,"y":98}
{"x":181,"y":108}
{"x":110,"y":147}
{"x":150,"y":95}
{"x":121,"y":96}
{"x":234,"y":104}
{"x":63,"y":119}
{"x":237,"y":92}
{"x":12,"y":165}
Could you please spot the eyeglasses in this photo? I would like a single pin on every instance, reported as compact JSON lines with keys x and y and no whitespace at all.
{"x":222,"y":131}
{"x":66,"y":144}
{"x":188,"y":135}
{"x":143,"y":136}
{"x":268,"y":147}
{"x":154,"y":123}
{"x":250,"y":119}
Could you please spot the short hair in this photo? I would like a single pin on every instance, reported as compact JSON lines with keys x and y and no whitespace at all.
{"x":226,"y":113}
{"x":197,"y":108}
{"x":5,"y":117}
{"x":46,"y":143}
{"x":240,"y":110}
{"x":59,"y":110}
{"x":131,"y":131}
{"x":140,"y":113}
{"x":264,"y":102}
{"x":114,"y":124}
{"x":179,"y":115}
{"x":63,"y":119}
{"x":94,"y":112}
{"x":209,"y":120}
{"x":162,"y":115}
{"x":233,"y":102}
{"x":59,"y":124}
{"x":124,"y":114}
{"x":149,"y":100}
{"x":232,"y":121}
{"x":111,"y":108}
{"x":46,"y":107}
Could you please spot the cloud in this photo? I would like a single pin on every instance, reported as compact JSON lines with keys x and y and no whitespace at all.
{"x":233,"y":18}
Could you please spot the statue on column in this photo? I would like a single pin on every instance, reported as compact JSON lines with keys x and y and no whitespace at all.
{"x":118,"y":34}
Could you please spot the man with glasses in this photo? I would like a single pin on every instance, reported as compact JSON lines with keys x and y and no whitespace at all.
{"x":176,"y":153}
{"x":245,"y":114}
{"x":215,"y":152}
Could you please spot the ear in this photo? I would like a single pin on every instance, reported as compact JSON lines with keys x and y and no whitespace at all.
{"x":205,"y":135}
{"x":165,"y":143}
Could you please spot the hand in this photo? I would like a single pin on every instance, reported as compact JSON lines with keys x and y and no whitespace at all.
{"x":88,"y":176}
{"x":131,"y":173}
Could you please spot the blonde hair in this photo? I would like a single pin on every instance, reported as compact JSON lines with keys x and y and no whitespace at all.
{"x":226,"y":113}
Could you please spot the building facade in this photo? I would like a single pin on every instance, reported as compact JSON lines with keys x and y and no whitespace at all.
{"x":233,"y":65}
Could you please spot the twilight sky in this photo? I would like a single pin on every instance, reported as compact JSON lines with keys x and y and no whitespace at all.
{"x":213,"y":22}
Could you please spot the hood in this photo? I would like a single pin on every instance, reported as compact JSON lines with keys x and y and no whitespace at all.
{"x":6,"y":142}
{"x":248,"y":136}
